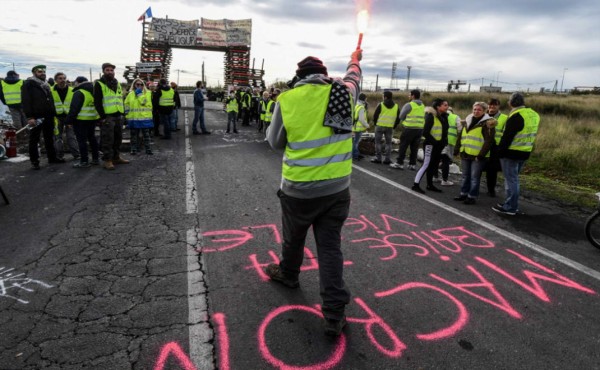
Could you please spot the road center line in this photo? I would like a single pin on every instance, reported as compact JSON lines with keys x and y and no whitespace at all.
{"x":555,"y":256}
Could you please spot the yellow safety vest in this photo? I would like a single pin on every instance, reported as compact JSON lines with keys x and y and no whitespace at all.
{"x":135,"y":110}
{"x":525,"y":138}
{"x":313,"y":152}
{"x":452,"y":129}
{"x":268,"y":113}
{"x":472,"y":141}
{"x":263,"y":109}
{"x":500,"y":127}
{"x":88,"y":110}
{"x":112,"y":102}
{"x":167,"y":98}
{"x":387,"y":116}
{"x":12,"y":92}
{"x":416,"y":117}
{"x":436,"y":130}
{"x":358,"y":127}
{"x":62,"y":107}
{"x":232,"y":106}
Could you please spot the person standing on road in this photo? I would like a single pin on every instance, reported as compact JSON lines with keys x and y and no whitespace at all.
{"x":177,"y":101}
{"x":454,"y":127}
{"x":412,"y":117}
{"x":108,"y":100}
{"x":361,"y":125}
{"x":62,"y":95}
{"x":493,"y":164}
{"x":232,"y":109}
{"x":84,"y":117}
{"x":138,"y":111}
{"x":263,"y":110}
{"x":38,"y":106}
{"x":199,"y":111}
{"x":10,"y":95}
{"x":475,"y":142}
{"x":164,"y":99}
{"x":515,"y":148}
{"x":385,"y":118}
{"x":312,"y":123}
{"x":435,"y":132}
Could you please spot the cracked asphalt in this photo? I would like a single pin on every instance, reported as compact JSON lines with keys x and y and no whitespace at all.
{"x":158,"y":265}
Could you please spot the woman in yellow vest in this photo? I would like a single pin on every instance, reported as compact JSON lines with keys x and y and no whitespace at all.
{"x":493,"y":165}
{"x":138,"y":111}
{"x":361,"y":124}
{"x":475,"y":142}
{"x":435,"y":132}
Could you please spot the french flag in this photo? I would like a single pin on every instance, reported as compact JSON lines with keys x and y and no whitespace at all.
{"x":146,"y":14}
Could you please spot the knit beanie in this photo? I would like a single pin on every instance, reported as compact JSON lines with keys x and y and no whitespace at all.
{"x":310,"y":65}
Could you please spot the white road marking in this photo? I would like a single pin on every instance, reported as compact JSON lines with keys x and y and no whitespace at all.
{"x":191,"y":194}
{"x":555,"y":256}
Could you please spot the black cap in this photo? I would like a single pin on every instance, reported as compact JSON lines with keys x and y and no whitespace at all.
{"x":310,"y":65}
{"x":104,"y":65}
{"x":12,"y":74}
{"x":39,"y":66}
{"x":81,"y":79}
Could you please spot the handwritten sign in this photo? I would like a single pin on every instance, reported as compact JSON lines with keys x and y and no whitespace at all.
{"x":174,"y":32}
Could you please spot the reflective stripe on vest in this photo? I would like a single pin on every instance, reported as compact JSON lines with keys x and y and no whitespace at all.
{"x":416,"y":117}
{"x":387,"y":116}
{"x":436,"y":129}
{"x":500,"y":127}
{"x":88,"y":110}
{"x":12,"y":92}
{"x":167,"y":98}
{"x":452,"y":129}
{"x":137,"y":111}
{"x":268,"y":113}
{"x":313,"y":152}
{"x":232,"y":106}
{"x":112,"y":102}
{"x":525,"y":138}
{"x":62,"y":107}
{"x":472,"y":141}
{"x":263,"y":110}
{"x":358,"y":126}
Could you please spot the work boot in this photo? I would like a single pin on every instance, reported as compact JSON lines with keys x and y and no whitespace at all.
{"x":109,"y":165}
{"x":274,"y":272}
{"x":120,"y":160}
{"x":333,"y":328}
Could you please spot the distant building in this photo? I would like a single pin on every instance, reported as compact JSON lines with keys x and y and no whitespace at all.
{"x":490,"y":89}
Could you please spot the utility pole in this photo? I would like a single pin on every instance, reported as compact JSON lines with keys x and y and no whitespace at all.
{"x":394,"y":65}
{"x":377,"y":82}
{"x":178,"y":76}
{"x":408,"y":77}
{"x":90,"y":73}
{"x":203,"y":79}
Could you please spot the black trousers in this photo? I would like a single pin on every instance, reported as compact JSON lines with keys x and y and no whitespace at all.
{"x":492,"y":167}
{"x":410,"y":137}
{"x":326,"y":215}
{"x":46,"y":129}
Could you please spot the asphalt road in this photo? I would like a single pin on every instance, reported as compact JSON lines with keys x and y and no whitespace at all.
{"x":159,"y":265}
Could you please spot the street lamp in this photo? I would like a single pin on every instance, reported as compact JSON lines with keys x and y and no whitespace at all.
{"x":563,"y":79}
{"x":408,"y":77}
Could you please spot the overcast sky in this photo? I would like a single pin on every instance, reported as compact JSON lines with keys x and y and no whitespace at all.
{"x":517,"y":44}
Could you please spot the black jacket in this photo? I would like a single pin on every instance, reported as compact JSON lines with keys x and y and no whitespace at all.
{"x":389,"y":103}
{"x":429,"y":121}
{"x":77,"y":102}
{"x":156,"y":99}
{"x":10,"y":81}
{"x":514,"y":124}
{"x":36,"y":102}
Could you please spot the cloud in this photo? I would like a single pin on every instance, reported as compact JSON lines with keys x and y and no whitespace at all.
{"x":303,"y":44}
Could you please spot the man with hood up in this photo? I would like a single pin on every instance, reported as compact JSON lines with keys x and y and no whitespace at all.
{"x":385,"y":118}
{"x":108,"y":100}
{"x":10,"y":95}
{"x":412,"y":117}
{"x":83,"y":117}
{"x":38,"y":107}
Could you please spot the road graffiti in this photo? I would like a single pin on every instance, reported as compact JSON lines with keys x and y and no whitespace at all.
{"x":11,"y":283}
{"x":496,"y":275}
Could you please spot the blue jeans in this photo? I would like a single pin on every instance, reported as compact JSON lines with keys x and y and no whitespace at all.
{"x":231,"y":120}
{"x":165,"y":121}
{"x":471,"y":176}
{"x":174,"y":119}
{"x":511,"y":169}
{"x":198,"y":116}
{"x":355,"y":141}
